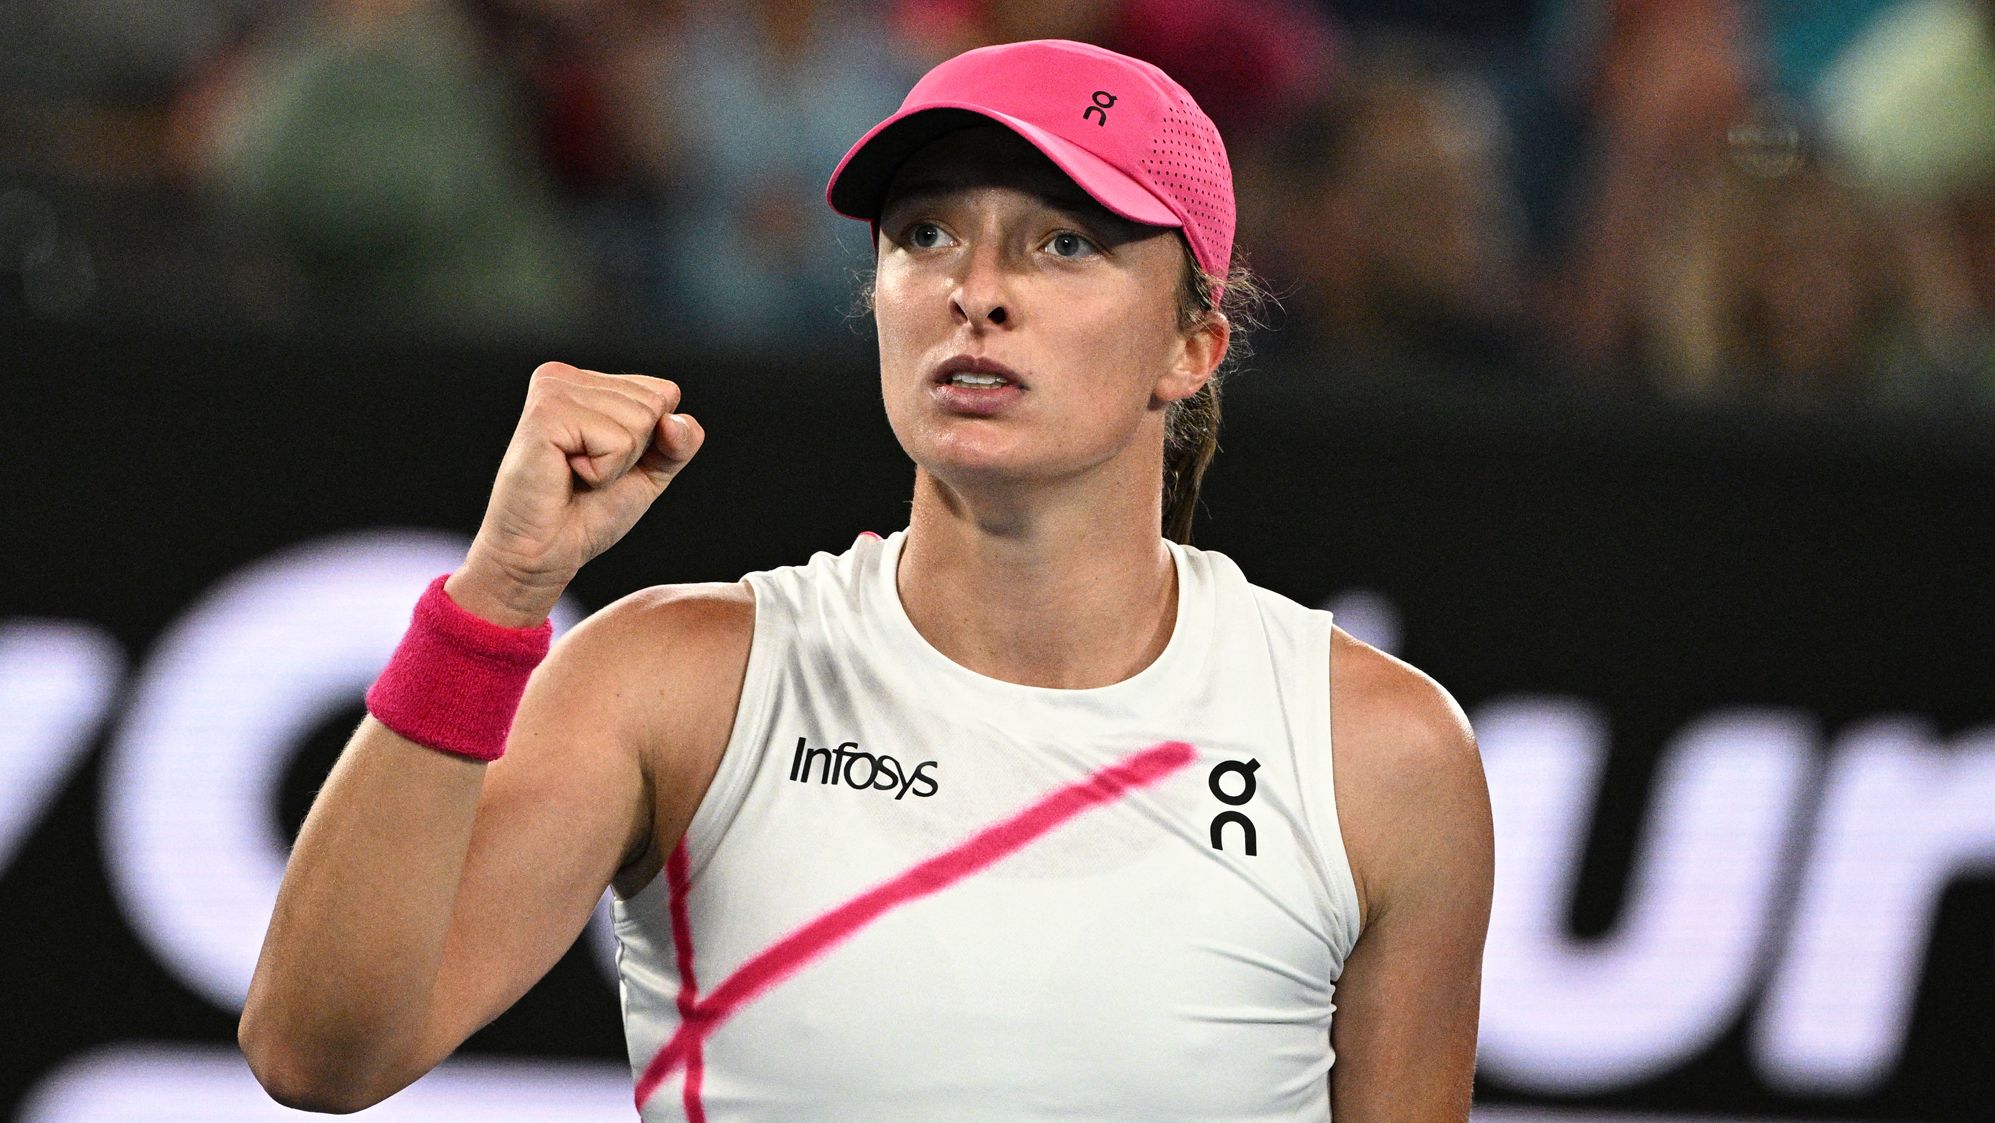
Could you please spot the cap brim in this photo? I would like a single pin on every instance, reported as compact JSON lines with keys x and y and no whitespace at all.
{"x":858,"y":187}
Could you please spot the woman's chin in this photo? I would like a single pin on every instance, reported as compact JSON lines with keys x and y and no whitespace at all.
{"x":994,"y":456}
{"x":980,"y":462}
{"x":976,"y":473}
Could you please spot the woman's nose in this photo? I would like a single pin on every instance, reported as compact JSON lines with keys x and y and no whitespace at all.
{"x":983,"y":294}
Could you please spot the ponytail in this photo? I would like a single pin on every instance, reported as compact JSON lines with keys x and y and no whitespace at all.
{"x":1191,"y":427}
{"x":1193,"y":441}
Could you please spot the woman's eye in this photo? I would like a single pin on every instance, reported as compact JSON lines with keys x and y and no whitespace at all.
{"x":917,"y":235}
{"x":1070,"y":244}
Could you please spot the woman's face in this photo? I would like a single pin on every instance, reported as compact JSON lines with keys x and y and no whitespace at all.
{"x":987,"y":249}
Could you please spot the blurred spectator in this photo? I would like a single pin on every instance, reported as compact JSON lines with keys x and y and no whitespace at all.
{"x":1668,"y":78}
{"x":1765,"y":276}
{"x":608,"y":130}
{"x":764,"y":98}
{"x":90,"y":221}
{"x":378,"y":145}
{"x":589,"y":67}
{"x":1909,"y":106}
{"x":1393,"y":224}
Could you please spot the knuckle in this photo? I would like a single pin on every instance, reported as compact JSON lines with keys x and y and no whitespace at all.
{"x":544,"y":409}
{"x":656,"y":389}
{"x":647,"y":400}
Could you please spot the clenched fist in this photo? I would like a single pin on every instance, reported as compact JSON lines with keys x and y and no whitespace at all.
{"x":590,"y":454}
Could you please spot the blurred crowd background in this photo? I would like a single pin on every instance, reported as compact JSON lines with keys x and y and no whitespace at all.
{"x":1709,"y":199}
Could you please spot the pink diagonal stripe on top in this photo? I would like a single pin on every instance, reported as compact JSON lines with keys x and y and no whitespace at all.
{"x":700,"y":1017}
{"x":676,"y":873}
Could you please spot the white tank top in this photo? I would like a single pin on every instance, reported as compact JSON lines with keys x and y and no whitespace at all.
{"x":916,"y":893}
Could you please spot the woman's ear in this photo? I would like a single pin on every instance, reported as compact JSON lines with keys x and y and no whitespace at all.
{"x":1196,"y":357}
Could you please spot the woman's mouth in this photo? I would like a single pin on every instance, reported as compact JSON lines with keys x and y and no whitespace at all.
{"x":980,"y":381}
{"x":975,"y":371}
{"x":976,"y":385}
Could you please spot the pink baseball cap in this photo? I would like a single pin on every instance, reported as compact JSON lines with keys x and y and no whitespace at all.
{"x":1121,"y":129}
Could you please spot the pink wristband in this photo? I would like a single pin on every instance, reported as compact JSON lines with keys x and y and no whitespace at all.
{"x":456,"y":679}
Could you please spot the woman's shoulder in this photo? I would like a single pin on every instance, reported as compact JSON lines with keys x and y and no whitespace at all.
{"x":1407,"y":766}
{"x":664,"y":652}
{"x":702,"y":613}
{"x":1391,"y":721}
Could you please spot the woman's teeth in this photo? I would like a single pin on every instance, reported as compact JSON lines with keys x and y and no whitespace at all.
{"x":962,"y":379}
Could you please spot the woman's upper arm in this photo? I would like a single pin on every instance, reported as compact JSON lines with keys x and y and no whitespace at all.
{"x":1414,"y":809}
{"x":618,"y":727}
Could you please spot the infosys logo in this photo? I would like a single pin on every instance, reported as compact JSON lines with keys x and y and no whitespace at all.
{"x":855,"y":769}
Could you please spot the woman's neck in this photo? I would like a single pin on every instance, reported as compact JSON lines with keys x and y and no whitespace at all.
{"x":1062,"y":591}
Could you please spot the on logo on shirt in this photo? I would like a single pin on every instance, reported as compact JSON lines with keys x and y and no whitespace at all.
{"x":1237,"y":818}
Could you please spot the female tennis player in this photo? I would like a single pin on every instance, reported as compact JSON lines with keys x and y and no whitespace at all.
{"x":1027,"y":811}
